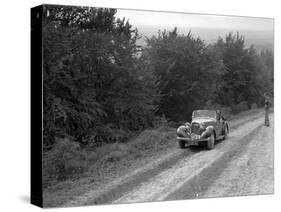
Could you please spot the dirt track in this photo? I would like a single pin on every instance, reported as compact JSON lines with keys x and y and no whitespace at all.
{"x":251,"y":171}
{"x":240,"y":165}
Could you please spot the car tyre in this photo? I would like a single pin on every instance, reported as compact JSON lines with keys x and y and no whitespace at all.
{"x":181,"y":144}
{"x":211,"y":141}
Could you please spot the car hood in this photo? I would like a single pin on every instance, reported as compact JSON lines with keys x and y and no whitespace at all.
{"x":203,"y":120}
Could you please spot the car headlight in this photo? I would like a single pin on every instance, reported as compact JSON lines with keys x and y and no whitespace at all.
{"x":184,"y":131}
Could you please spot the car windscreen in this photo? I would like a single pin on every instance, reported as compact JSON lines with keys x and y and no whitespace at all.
{"x":204,"y":114}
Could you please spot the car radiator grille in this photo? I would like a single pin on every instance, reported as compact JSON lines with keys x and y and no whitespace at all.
{"x":195,"y":129}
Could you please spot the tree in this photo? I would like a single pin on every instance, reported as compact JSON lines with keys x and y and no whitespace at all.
{"x":267,"y":58}
{"x":247,"y":74}
{"x":186,"y":70}
{"x":92,"y":89}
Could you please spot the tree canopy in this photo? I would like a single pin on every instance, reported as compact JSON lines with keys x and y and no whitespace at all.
{"x":94,"y":90}
{"x":100,"y":86}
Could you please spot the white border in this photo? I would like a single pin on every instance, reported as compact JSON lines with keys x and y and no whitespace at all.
{"x":15,"y":101}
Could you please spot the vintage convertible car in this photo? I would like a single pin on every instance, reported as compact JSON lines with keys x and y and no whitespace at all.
{"x":207,"y":126}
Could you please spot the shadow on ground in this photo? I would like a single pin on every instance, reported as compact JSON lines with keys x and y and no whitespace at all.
{"x":24,"y":198}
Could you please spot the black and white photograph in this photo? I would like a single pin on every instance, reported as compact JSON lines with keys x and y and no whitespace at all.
{"x":147,"y":106}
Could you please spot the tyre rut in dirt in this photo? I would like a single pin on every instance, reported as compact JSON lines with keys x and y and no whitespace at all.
{"x":114,"y":192}
{"x":198,"y":184}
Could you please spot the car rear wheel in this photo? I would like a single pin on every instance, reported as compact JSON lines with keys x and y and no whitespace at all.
{"x":211,"y":141}
{"x":181,"y":144}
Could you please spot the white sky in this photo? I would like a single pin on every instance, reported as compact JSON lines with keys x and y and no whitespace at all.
{"x":138,"y":18}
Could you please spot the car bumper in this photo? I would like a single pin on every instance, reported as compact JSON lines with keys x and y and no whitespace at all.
{"x":192,"y":141}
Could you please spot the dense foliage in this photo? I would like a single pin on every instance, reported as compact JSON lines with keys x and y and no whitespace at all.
{"x":187,"y":71}
{"x":100,"y":87}
{"x":94,"y":90}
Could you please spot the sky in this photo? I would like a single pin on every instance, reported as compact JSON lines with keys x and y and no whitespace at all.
{"x":168,"y":19}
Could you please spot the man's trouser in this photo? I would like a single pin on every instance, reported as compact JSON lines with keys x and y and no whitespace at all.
{"x":266,"y":122}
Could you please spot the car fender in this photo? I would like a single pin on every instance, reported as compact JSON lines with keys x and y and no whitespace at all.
{"x":208,"y":132}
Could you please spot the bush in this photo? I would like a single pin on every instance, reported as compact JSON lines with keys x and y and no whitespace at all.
{"x":254,"y":106}
{"x":242,"y":106}
{"x":226,"y":112}
{"x":160,"y":121}
{"x":65,"y":161}
{"x":153,"y":139}
{"x":116,"y":152}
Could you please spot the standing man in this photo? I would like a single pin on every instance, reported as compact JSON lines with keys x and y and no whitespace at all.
{"x":266,"y":107}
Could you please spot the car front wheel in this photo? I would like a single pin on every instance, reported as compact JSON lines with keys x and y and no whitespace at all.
{"x":211,"y":141}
